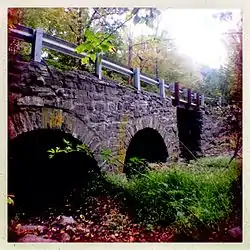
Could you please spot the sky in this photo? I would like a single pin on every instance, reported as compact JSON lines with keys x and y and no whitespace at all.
{"x":196,"y":33}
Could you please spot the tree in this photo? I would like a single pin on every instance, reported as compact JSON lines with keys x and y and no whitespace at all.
{"x":14,"y":17}
{"x":77,"y":25}
{"x":233,"y":79}
{"x":233,"y":69}
{"x":158,"y":56}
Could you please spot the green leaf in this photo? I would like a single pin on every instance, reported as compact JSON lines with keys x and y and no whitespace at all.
{"x":98,"y":50}
{"x":92,"y":57}
{"x":58,"y":149}
{"x":85,"y":60}
{"x":80,"y":48}
{"x":65,"y":141}
{"x":89,"y":34}
{"x":10,"y":201}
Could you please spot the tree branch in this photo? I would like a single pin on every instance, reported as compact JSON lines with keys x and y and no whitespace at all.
{"x":72,"y":29}
{"x":92,"y":18}
{"x":134,"y":12}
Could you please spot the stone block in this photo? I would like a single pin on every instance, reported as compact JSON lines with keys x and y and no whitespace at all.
{"x":30,"y":101}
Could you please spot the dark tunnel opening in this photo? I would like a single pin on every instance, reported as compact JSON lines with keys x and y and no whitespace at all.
{"x":189,"y":123}
{"x":37,"y":181}
{"x":149,"y":145}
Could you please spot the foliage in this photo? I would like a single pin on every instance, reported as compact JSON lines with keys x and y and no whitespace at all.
{"x":135,"y":166}
{"x":13,"y":17}
{"x":68,"y":149}
{"x":188,"y":197}
{"x":232,"y":76}
{"x":94,"y":44}
{"x":158,"y":56}
{"x":91,"y":29}
{"x":106,"y":154}
{"x":10,"y":200}
{"x":231,"y":73}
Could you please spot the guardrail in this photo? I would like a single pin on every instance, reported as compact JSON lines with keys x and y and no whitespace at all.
{"x":40,"y":40}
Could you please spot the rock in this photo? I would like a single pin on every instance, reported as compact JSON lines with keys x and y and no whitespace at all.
{"x":70,"y":229}
{"x":43,"y":92}
{"x":41,"y":81}
{"x":64,"y":220}
{"x":30,"y":101}
{"x":65,"y":237}
{"x":34,"y":238}
{"x":30,"y":229}
{"x":235,"y":233}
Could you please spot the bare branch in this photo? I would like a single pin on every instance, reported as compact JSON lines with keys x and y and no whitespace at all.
{"x":134,"y":12}
{"x":72,"y":29}
{"x":92,"y":18}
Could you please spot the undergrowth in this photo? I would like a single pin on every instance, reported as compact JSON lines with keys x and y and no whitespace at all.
{"x":188,"y":196}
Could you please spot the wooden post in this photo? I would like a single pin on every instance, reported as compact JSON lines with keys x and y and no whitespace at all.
{"x":98,"y":66}
{"x":137,"y":83}
{"x":37,"y":45}
{"x":176,"y":94}
{"x":189,"y":98}
{"x":162,"y":88}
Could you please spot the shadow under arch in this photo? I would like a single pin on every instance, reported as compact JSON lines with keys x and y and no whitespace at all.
{"x":189,"y":124}
{"x":148,"y":144}
{"x":36,"y":180}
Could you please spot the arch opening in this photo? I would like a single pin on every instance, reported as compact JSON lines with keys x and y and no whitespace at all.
{"x":189,"y":123}
{"x":37,"y":181}
{"x":149,"y":145}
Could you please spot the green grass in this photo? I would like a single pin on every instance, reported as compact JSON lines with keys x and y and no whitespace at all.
{"x":188,"y":195}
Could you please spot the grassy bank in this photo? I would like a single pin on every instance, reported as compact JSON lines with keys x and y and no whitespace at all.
{"x":189,"y":196}
{"x":170,"y":203}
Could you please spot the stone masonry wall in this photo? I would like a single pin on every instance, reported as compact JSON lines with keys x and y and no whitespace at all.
{"x":213,"y":139}
{"x":100,"y":113}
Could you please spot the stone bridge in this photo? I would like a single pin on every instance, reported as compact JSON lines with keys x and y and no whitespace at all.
{"x":100,"y":113}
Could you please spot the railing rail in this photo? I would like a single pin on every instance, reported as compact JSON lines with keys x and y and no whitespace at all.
{"x":40,"y":40}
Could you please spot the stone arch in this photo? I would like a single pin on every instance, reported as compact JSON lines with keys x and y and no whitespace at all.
{"x":33,"y":177}
{"x":51,"y":118}
{"x":147,"y":143}
{"x":167,"y":133}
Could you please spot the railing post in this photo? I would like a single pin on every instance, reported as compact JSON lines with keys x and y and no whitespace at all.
{"x":136,"y":79}
{"x":220,"y":101}
{"x":195,"y":96}
{"x":162,"y":88}
{"x":202,"y":100}
{"x":189,"y":98}
{"x":198,"y":100}
{"x":37,"y":45}
{"x":98,"y":66}
{"x":176,"y":94}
